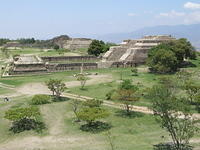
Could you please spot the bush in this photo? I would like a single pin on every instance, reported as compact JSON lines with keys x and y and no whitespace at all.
{"x":110,"y":94}
{"x":40,"y":99}
{"x":134,"y":71}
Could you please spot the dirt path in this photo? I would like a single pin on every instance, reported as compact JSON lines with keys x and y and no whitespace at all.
{"x":41,"y":88}
{"x":51,"y":143}
{"x":54,"y":117}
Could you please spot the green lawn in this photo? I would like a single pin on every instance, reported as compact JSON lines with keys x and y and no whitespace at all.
{"x":17,"y":81}
{"x":140,"y":132}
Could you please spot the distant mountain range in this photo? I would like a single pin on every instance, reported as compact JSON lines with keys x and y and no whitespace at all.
{"x":191,"y":32}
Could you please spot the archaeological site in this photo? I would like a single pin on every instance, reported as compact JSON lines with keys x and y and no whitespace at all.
{"x":129,"y":53}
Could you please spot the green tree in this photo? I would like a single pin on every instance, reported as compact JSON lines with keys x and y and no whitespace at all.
{"x":174,"y":115}
{"x":83,"y":79}
{"x":3,"y":41}
{"x":24,"y":119}
{"x":162,"y":61}
{"x":92,"y":111}
{"x":127,"y":93}
{"x":56,"y":86}
{"x":169,"y":56}
{"x":192,"y":89}
{"x":97,"y":47}
{"x":76,"y":104}
{"x":56,"y":47}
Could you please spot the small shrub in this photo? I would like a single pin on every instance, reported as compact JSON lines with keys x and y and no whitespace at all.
{"x":134,"y":71}
{"x":110,"y":94}
{"x":40,"y":99}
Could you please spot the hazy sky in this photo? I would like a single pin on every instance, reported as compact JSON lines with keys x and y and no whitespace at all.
{"x":47,"y":18}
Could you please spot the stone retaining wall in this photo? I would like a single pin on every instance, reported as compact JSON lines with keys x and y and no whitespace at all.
{"x":69,"y":58}
{"x":71,"y":66}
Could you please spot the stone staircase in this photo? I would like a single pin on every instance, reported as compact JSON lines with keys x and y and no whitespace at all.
{"x":115,"y":54}
{"x":126,"y":55}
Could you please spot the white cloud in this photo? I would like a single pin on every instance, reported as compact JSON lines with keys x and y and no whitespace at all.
{"x":132,"y":14}
{"x":172,"y":14}
{"x":190,"y":5}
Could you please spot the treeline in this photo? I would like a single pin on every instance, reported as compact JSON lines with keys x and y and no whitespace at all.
{"x":3,"y":41}
{"x":28,"y":42}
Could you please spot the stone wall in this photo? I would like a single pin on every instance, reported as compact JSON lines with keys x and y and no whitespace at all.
{"x":71,"y":66}
{"x":70,"y":58}
{"x":77,"y":43}
{"x":28,"y":68}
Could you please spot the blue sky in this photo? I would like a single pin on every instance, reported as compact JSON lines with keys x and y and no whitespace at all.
{"x":47,"y":18}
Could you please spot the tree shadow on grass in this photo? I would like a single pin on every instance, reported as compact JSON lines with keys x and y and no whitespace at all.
{"x":84,"y":89}
{"x":169,"y":146}
{"x":60,"y":99}
{"x":132,"y":114}
{"x":187,"y":64}
{"x":96,"y":127}
{"x":26,"y":125}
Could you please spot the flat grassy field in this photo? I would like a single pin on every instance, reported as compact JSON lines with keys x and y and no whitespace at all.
{"x":139,"y":132}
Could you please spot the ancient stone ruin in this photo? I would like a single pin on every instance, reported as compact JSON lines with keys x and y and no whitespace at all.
{"x":66,"y":42}
{"x":130,"y":53}
{"x":31,"y":64}
{"x":134,"y":51}
{"x":27,"y":64}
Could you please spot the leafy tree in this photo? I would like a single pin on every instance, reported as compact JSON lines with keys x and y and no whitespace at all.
{"x":162,"y":61}
{"x":90,"y":115}
{"x":192,"y":90}
{"x":3,"y":41}
{"x":183,"y":49}
{"x":83,"y":79}
{"x":169,"y":56}
{"x":56,"y":47}
{"x":93,"y":103}
{"x":97,"y":47}
{"x":56,"y":86}
{"x":76,"y":104}
{"x":24,"y":119}
{"x":21,"y":113}
{"x":92,"y":111}
{"x":174,"y":115}
{"x":127,"y":94}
